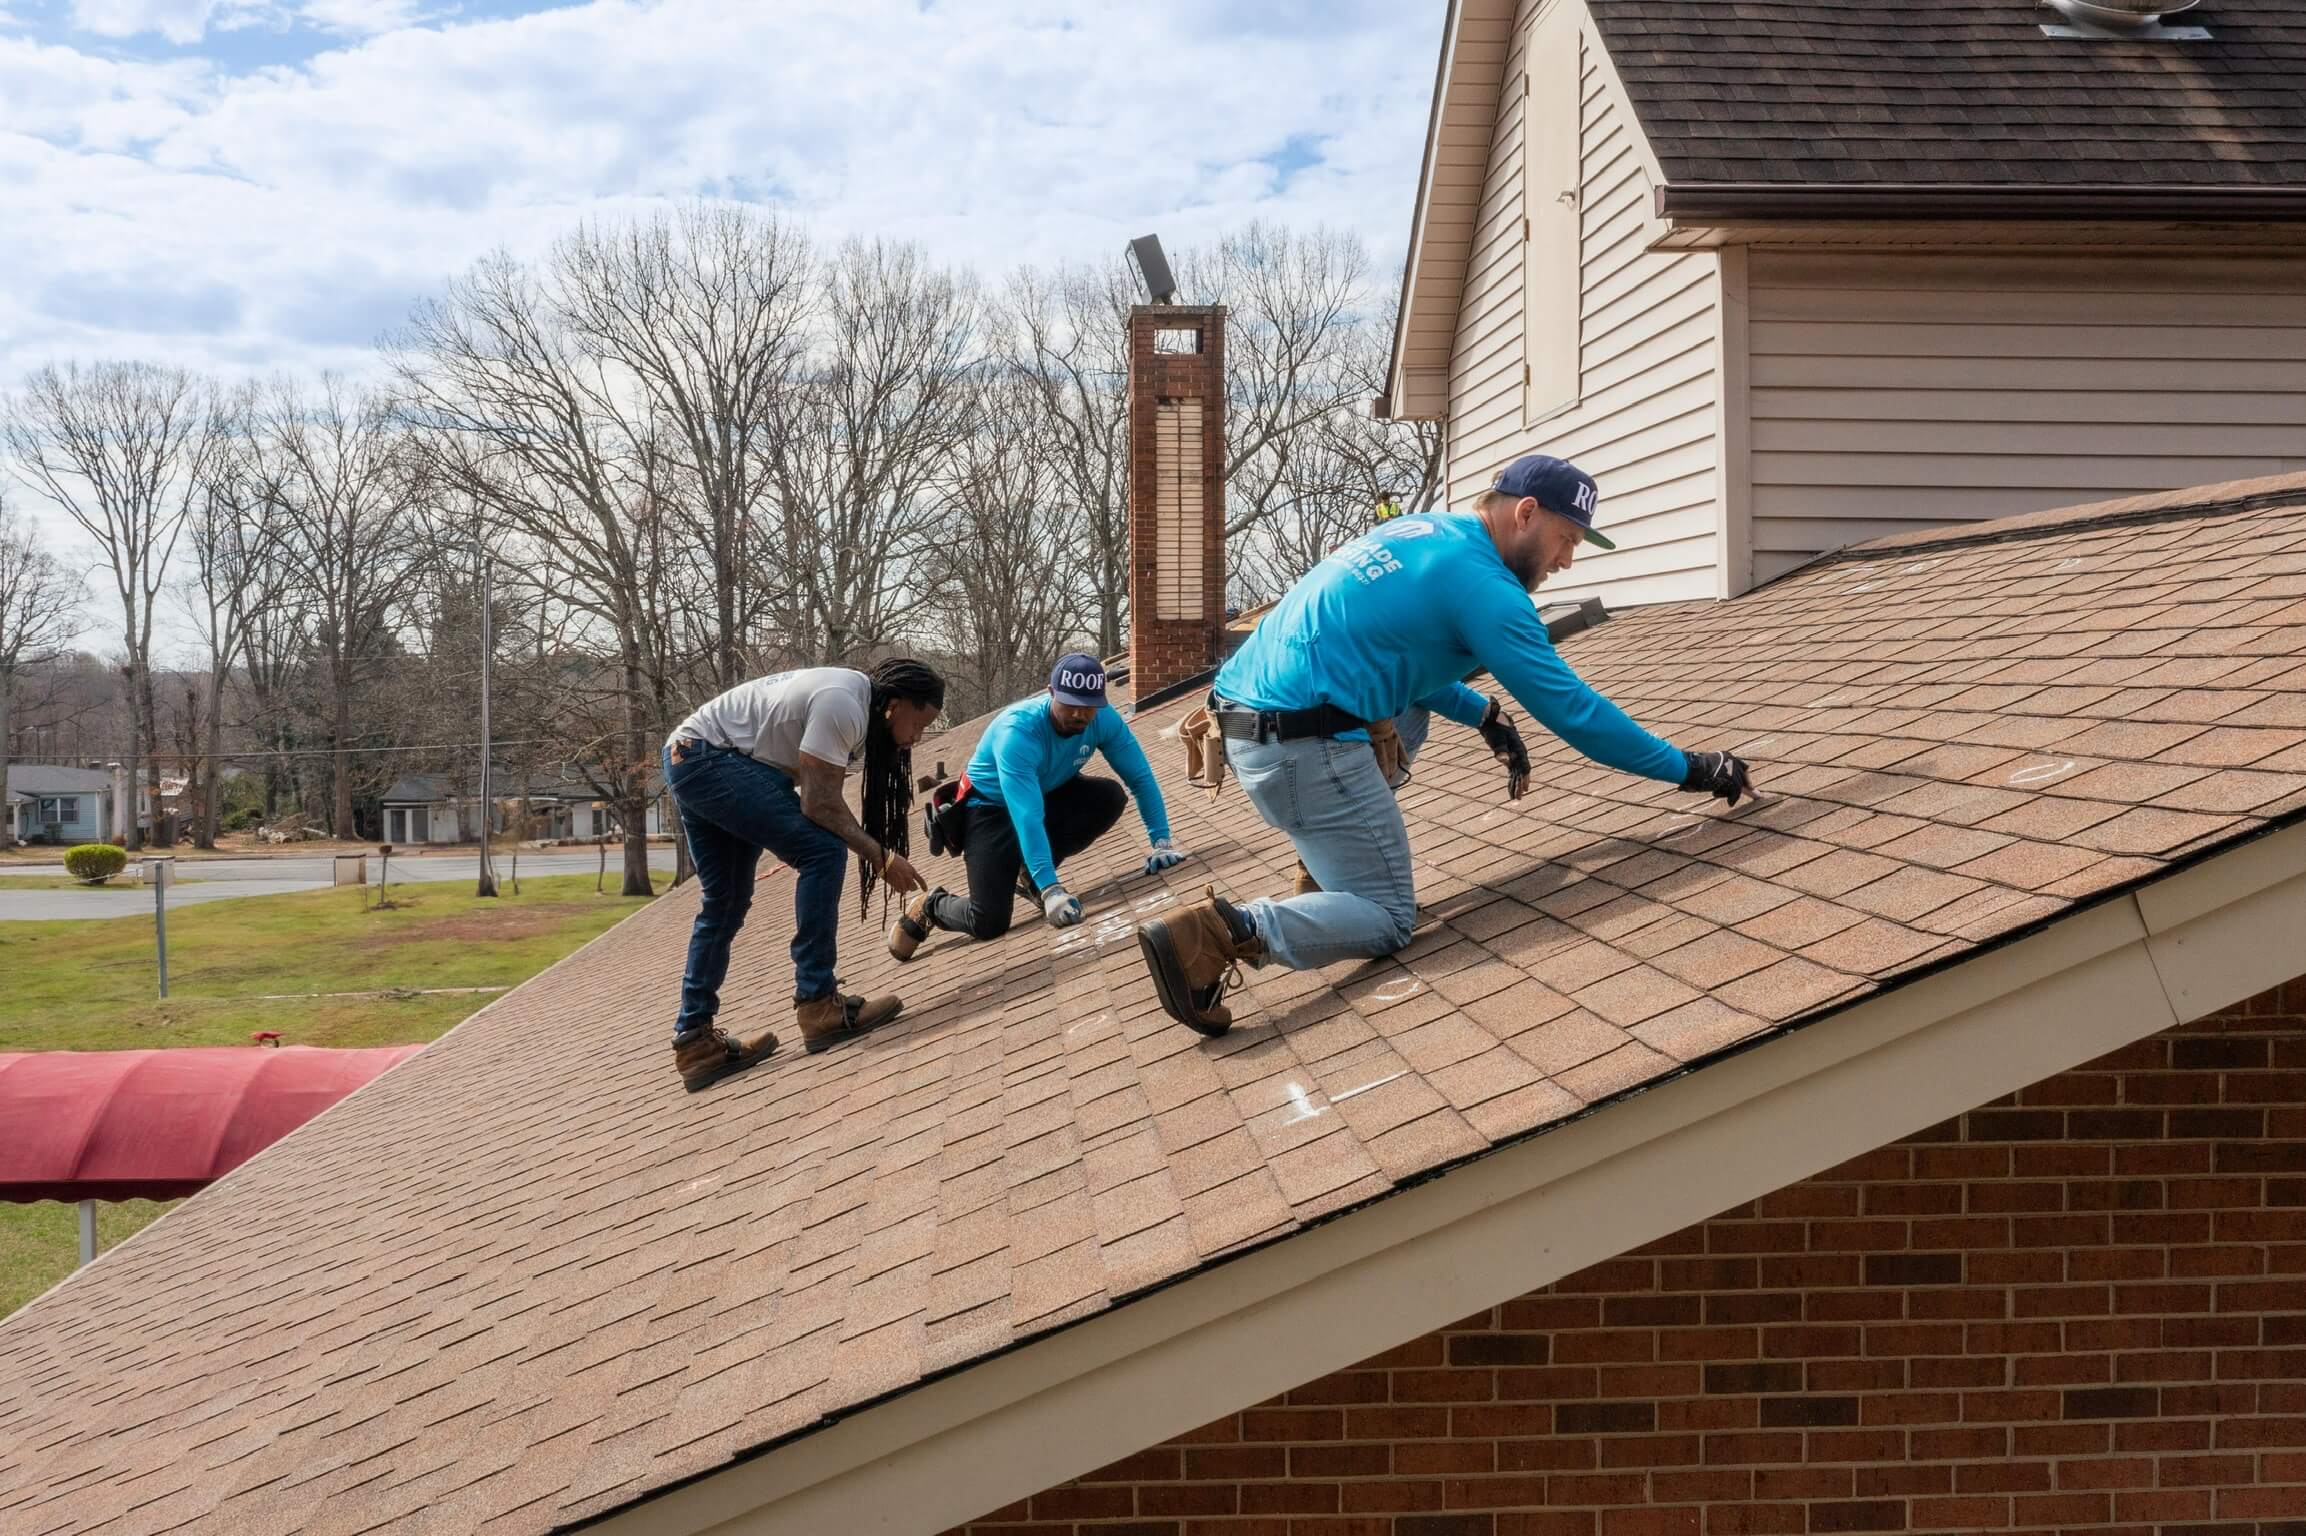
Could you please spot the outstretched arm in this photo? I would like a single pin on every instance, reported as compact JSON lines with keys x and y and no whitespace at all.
{"x":1509,"y":638}
{"x":1127,"y":755}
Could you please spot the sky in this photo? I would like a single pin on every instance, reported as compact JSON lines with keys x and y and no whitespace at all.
{"x":241,"y":186}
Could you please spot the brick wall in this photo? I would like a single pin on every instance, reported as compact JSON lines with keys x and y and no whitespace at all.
{"x":1162,"y":651}
{"x":2080,"y":1308}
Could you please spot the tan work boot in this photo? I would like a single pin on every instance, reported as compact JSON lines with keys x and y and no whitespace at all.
{"x":912,"y":928}
{"x":1194,"y":955}
{"x":1305,"y":884}
{"x":829,"y":1020}
{"x":705,"y":1056}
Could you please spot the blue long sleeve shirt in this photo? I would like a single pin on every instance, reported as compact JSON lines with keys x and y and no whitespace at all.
{"x":1021,"y":758}
{"x":1399,"y":615}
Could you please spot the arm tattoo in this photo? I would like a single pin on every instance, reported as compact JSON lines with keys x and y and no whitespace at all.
{"x":823,"y":803}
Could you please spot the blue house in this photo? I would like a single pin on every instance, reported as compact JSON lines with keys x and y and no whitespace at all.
{"x":60,"y":805}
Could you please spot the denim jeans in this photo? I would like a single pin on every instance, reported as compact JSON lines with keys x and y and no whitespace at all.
{"x":1337,"y":808}
{"x":733,"y":806}
{"x":1074,"y":814}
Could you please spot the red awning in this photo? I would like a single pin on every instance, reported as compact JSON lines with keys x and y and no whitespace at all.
{"x":156,"y":1125}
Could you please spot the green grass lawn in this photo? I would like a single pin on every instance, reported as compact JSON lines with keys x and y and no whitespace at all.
{"x":67,"y":883}
{"x":91,"y":984}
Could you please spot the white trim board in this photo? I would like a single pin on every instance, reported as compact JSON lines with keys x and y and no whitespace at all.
{"x":1243,"y":1331}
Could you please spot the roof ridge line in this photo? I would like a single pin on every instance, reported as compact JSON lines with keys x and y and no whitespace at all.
{"x":2256,"y":501}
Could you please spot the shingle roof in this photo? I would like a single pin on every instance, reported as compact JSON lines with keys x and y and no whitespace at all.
{"x":1960,"y":92}
{"x":523,"y":1279}
{"x":40,"y":779}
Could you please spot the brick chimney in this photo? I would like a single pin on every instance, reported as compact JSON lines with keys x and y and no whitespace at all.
{"x":1176,"y":493}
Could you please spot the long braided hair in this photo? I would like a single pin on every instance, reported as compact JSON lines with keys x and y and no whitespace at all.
{"x":888,"y":785}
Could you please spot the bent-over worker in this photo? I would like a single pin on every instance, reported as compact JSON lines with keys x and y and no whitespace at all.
{"x":760,"y":768}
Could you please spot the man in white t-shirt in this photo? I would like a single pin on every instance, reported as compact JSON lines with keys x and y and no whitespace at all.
{"x":760,"y":768}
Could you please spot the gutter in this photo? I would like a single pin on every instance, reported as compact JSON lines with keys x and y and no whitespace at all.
{"x":1726,"y":201}
{"x":1381,"y":406}
{"x":1754,"y":1119}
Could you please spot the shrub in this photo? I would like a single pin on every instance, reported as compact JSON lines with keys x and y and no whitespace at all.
{"x":95,"y":863}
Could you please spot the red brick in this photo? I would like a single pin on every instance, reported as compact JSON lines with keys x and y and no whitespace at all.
{"x":1547,"y":1455}
{"x":2061,"y":1439}
{"x":1320,"y":1461}
{"x":2164,"y":1504}
{"x":1859,"y":1515}
{"x":1231,"y":1463}
{"x":1685,"y":1521}
{"x":1265,"y":1425}
{"x":2062,"y":1508}
{"x":1076,"y":1503}
{"x":1651,"y":1451}
{"x":2261,"y":1503}
{"x":1400,"y":1496}
{"x":1289,"y":1498}
{"x":1960,"y":1514}
{"x":1559,"y":1522}
{"x":1756,"y":1520}
{"x":2005,"y":1477}
{"x":2204,"y":1471}
{"x":1597,"y":1488}
{"x":2107,"y":1472}
{"x":1188,"y":1499}
{"x":1439,"y":1458}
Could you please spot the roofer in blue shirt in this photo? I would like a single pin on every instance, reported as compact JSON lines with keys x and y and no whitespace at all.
{"x":1384,"y":628}
{"x":1026,"y":807}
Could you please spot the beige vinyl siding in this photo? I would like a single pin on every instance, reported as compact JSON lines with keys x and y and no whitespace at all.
{"x":1892,"y":391}
{"x":1644,"y":420}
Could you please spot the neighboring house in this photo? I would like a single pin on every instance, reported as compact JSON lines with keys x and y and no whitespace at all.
{"x":61,"y":805}
{"x":1922,"y":1147}
{"x":437,"y":808}
{"x":1790,"y":275}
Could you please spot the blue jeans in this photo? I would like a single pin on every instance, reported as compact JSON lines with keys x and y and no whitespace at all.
{"x":733,"y":806}
{"x":1339,"y":811}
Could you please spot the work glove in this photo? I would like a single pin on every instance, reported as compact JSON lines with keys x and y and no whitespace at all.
{"x":1506,"y":746}
{"x":1718,"y":774}
{"x":1165,"y":855}
{"x":1060,"y":907}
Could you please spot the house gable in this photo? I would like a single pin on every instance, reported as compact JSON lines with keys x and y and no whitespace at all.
{"x":1639,"y":327}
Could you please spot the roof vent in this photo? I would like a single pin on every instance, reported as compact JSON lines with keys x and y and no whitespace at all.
{"x":2134,"y":19}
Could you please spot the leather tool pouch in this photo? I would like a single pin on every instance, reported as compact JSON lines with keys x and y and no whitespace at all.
{"x":1385,"y":741}
{"x":1204,"y":750}
{"x":943,"y":820}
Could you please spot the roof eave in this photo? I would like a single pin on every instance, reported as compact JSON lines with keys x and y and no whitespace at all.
{"x":1703,"y":204}
{"x":2195,"y":940}
{"x":1396,"y":388}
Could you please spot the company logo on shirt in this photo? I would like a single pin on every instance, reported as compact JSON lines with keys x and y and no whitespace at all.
{"x":1368,"y":559}
{"x":1411,"y":528}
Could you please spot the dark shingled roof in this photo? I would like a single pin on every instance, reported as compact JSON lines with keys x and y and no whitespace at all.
{"x":523,"y":1279}
{"x":1959,"y":92}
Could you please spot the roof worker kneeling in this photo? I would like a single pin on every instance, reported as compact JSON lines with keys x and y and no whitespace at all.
{"x":1025,"y":807}
{"x":759,"y":768}
{"x":1329,"y":699}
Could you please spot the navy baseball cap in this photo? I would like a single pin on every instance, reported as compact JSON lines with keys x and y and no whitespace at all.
{"x":1078,"y":678}
{"x":1559,"y":486}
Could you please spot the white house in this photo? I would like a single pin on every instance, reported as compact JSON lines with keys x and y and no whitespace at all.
{"x":437,"y":808}
{"x":1787,"y":276}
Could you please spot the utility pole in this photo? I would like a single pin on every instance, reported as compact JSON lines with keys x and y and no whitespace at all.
{"x":487,"y":886}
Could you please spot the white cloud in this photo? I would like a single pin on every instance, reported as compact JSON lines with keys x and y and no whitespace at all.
{"x":229,"y":212}
{"x":179,"y":21}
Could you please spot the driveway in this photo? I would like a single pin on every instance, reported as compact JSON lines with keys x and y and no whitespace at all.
{"x":230,"y":879}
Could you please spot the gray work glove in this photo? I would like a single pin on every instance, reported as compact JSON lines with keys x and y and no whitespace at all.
{"x":1165,"y":855}
{"x":1505,"y":744}
{"x":1719,"y":774}
{"x":1060,"y":907}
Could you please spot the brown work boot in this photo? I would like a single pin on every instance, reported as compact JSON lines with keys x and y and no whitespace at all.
{"x":1305,"y":884}
{"x":1194,"y":955}
{"x":912,"y":928}
{"x":705,"y":1056}
{"x":829,"y":1020}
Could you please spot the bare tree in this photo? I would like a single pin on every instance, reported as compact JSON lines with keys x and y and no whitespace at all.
{"x":125,"y":450}
{"x":1013,"y":593}
{"x":346,"y":489}
{"x":859,"y":447}
{"x":40,"y":606}
{"x":1067,"y":337}
{"x":704,"y":309}
{"x":521,"y":421}
{"x":1291,"y":311}
{"x":239,"y":579}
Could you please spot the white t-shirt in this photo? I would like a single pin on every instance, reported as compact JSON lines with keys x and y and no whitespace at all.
{"x":819,"y":710}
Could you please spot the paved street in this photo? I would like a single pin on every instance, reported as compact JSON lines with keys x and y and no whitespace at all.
{"x":230,"y":879}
